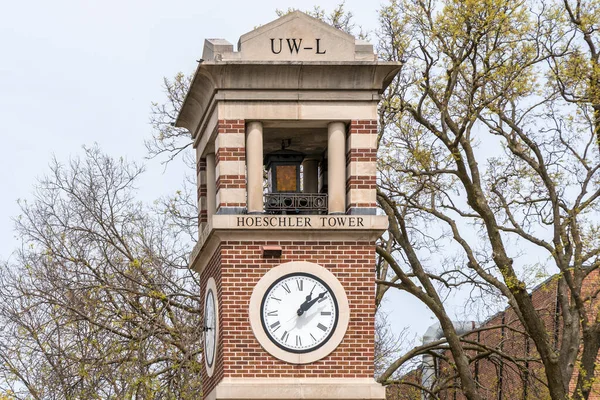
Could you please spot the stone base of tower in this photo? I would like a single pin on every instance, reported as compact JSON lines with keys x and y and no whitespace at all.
{"x":297,"y":388}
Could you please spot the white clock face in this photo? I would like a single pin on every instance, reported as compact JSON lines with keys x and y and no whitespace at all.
{"x":209,"y":328}
{"x":299,"y":312}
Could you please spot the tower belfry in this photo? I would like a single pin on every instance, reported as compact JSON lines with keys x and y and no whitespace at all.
{"x":285,"y":132}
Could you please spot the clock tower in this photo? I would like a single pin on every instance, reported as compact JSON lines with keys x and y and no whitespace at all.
{"x":285,"y":132}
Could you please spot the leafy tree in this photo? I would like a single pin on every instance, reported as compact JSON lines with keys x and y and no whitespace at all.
{"x":488,"y":136}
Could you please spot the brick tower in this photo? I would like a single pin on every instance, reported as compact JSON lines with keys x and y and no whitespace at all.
{"x":285,"y":133}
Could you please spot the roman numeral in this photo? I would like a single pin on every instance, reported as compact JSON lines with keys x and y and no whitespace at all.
{"x":314,"y":338}
{"x":322,"y":298}
{"x":275,"y":326}
{"x":274,"y":313}
{"x":275,"y":298}
{"x":300,"y":284}
{"x":322,"y":327}
{"x":286,"y":287}
{"x":285,"y":336}
{"x":325,"y":312}
{"x":298,"y":341}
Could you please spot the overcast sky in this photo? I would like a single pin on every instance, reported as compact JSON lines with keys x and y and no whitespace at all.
{"x":80,"y":72}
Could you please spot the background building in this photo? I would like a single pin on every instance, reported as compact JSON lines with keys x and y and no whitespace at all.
{"x":505,"y":363}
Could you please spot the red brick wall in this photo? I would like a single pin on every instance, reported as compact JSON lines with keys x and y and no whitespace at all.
{"x":243,"y":265}
{"x":231,"y":181}
{"x":502,"y":378}
{"x":407,"y":389}
{"x":591,"y":286}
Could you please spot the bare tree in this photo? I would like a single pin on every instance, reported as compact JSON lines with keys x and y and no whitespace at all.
{"x":167,"y":141}
{"x":339,"y":18}
{"x":99,"y":303}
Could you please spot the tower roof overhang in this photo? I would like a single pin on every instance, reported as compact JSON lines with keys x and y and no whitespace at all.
{"x":285,"y":81}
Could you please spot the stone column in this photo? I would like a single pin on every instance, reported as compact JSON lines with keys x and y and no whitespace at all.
{"x":336,"y":167}
{"x":254,"y":166}
{"x":310,"y":175}
{"x":211,"y":186}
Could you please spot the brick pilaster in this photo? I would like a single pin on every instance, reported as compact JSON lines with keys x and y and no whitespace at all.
{"x":230,"y":163}
{"x":361,"y":167}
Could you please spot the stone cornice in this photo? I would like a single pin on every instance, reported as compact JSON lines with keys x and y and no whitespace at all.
{"x":213,"y":81}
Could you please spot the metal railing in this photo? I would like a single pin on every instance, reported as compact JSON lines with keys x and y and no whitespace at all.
{"x":296,"y":203}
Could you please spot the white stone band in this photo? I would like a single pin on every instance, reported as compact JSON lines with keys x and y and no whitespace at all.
{"x":297,"y":388}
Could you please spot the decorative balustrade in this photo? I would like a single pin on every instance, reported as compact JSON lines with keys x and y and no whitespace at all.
{"x":296,"y":203}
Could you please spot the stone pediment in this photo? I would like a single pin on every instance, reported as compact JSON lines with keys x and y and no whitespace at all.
{"x":293,"y":37}
{"x":297,"y":37}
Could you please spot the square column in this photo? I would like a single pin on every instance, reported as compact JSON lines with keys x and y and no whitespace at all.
{"x":336,"y":167}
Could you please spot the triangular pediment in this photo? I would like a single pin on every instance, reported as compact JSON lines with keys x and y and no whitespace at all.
{"x":299,"y":37}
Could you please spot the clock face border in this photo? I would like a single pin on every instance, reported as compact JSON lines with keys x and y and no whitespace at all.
{"x":209,"y":299}
{"x":211,"y":286}
{"x":273,"y":275}
{"x":335,"y":303}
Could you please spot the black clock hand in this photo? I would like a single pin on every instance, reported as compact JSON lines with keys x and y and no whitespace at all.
{"x":308,"y":304}
{"x":311,"y":290}
{"x":307,"y":300}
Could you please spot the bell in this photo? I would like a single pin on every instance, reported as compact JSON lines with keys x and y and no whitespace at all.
{"x":283,"y":169}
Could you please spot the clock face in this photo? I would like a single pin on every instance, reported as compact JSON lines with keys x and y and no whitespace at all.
{"x":210,"y":324}
{"x":299,"y":312}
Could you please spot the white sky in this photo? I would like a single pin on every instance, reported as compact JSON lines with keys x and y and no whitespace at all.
{"x":80,"y":72}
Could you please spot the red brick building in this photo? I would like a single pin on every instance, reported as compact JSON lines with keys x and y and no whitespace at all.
{"x":515,"y":371}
